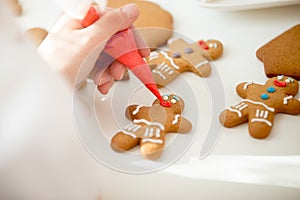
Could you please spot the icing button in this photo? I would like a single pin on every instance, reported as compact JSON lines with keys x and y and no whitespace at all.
{"x":188,"y":50}
{"x":271,"y":89}
{"x":176,"y":55}
{"x":264,"y":96}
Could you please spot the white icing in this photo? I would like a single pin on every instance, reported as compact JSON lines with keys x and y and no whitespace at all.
{"x":158,"y":141}
{"x":200,"y":64}
{"x":137,"y":109}
{"x":266,"y":114}
{"x":161,"y":65}
{"x":165,"y":97}
{"x":260,"y":103}
{"x":157,"y":133}
{"x":170,"y":72}
{"x":170,"y":59}
{"x":280,"y":77}
{"x":137,"y":127}
{"x":153,"y":55}
{"x":165,"y":68}
{"x":262,"y":113}
{"x":129,"y":133}
{"x":146,"y":134}
{"x":261,"y":120}
{"x":149,"y":123}
{"x":257,"y":113}
{"x":285,"y":99}
{"x":132,"y":127}
{"x":243,"y":107}
{"x":175,"y":121}
{"x":247,"y":84}
{"x":151,"y":132}
{"x":236,"y":111}
{"x":159,"y":73}
{"x":239,"y":105}
{"x":173,"y":101}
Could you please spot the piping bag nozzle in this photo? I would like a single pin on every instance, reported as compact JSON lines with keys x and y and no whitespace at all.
{"x":122,"y":46}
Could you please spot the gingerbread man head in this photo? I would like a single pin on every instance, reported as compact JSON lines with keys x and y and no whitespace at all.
{"x":177,"y":103}
{"x":284,"y":84}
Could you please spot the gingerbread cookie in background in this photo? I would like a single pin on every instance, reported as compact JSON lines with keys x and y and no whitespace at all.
{"x":36,"y":35}
{"x":282,"y":54}
{"x":260,"y":104}
{"x":181,"y":57}
{"x":15,"y":6}
{"x":154,"y":23}
{"x":150,"y":124}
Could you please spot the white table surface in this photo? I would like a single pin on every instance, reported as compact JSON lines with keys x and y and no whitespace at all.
{"x":238,"y":167}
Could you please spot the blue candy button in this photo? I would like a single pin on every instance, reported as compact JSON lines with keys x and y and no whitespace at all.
{"x":271,"y":89}
{"x":264,"y":96}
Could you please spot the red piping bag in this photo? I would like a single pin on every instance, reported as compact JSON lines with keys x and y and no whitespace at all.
{"x":123,"y":48}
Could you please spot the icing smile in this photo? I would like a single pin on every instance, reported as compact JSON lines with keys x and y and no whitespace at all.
{"x":279,"y":83}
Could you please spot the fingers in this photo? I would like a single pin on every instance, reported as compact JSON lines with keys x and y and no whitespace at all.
{"x":113,"y":22}
{"x":117,"y":70}
{"x":104,"y":88}
{"x":105,"y":79}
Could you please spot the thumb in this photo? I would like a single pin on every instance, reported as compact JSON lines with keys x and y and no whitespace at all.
{"x":113,"y":22}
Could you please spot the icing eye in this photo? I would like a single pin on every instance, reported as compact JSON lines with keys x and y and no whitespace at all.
{"x":288,"y":80}
{"x":176,"y":98}
{"x":176,"y":55}
{"x":173,"y":101}
{"x":216,"y":45}
{"x":165,"y":97}
{"x":280,"y":77}
{"x":188,"y":50}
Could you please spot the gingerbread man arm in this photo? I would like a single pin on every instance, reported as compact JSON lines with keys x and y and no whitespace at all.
{"x":243,"y":88}
{"x":291,"y":106}
{"x":134,"y":111}
{"x":180,"y":125}
{"x":185,"y":126}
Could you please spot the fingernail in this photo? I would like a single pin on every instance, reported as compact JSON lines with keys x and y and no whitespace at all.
{"x":130,"y":10}
{"x":104,"y":79}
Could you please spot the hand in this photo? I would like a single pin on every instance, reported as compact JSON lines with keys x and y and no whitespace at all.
{"x":73,"y":50}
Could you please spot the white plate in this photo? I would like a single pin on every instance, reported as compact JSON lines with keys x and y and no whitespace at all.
{"x":244,"y":4}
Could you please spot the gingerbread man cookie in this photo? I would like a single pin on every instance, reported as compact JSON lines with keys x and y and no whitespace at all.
{"x":181,"y":57}
{"x":150,"y":125}
{"x":261,"y":103}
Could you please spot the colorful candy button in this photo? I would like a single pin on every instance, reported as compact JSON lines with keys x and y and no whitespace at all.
{"x":264,"y":96}
{"x":176,"y":55}
{"x":271,"y":89}
{"x":188,"y":50}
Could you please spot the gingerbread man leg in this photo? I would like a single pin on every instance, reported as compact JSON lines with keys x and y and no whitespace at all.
{"x":235,"y":115}
{"x":123,"y":142}
{"x":151,"y":148}
{"x":260,"y":123}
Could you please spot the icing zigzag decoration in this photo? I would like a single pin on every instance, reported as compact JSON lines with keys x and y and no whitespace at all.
{"x":149,"y":126}
{"x":181,"y":57}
